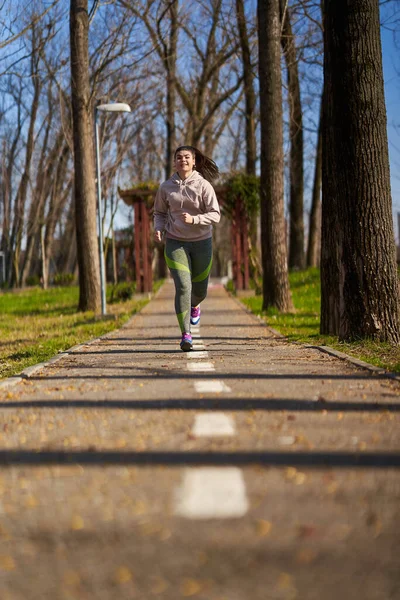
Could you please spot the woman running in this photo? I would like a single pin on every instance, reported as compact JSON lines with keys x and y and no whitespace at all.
{"x":185,"y":209}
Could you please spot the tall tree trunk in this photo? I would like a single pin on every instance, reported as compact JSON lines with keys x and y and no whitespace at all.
{"x":20,"y":200}
{"x":170,"y":64}
{"x":276,"y":290}
{"x":249,"y":93}
{"x":7,"y":190}
{"x":358,"y":185}
{"x":67,"y":258}
{"x":84,"y":184}
{"x":39,"y":195}
{"x":314,"y":233}
{"x":58,"y":199}
{"x":296,"y":203}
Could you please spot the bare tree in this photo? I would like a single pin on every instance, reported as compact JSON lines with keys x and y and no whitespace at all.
{"x":356,"y":183}
{"x":249,"y":92}
{"x":21,"y":195}
{"x":314,"y":233}
{"x":204,"y":88}
{"x":84,"y":182}
{"x":276,"y":290}
{"x":13,"y":37}
{"x":296,"y":203}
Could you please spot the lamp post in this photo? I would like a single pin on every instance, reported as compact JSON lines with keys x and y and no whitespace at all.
{"x":112,"y":107}
{"x":3,"y":262}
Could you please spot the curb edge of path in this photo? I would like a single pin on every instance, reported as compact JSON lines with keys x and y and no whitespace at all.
{"x":29,"y":371}
{"x":326,"y":349}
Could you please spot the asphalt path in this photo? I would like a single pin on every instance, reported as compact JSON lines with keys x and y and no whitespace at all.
{"x":248,"y":469}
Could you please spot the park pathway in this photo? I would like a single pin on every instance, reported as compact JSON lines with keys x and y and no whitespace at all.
{"x":249,"y":469}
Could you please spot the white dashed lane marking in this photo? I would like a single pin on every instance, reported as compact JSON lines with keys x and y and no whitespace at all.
{"x":212,"y":493}
{"x":213,"y":423}
{"x":214,"y":386}
{"x":198,"y":355}
{"x":200,"y":366}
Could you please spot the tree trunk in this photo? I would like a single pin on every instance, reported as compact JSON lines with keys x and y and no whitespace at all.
{"x":84,"y":183}
{"x":356,"y":164}
{"x":330,"y":229}
{"x":7,"y":189}
{"x":276,"y":290}
{"x":314,"y":233}
{"x":20,"y":200}
{"x":296,"y":203}
{"x":67,"y":258}
{"x":249,"y":93}
{"x":58,"y":199}
{"x":39,"y":196}
{"x":170,"y":64}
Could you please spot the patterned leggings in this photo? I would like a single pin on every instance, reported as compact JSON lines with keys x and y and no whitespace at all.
{"x":190,"y":265}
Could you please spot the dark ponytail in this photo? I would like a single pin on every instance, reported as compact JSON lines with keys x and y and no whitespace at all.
{"x":204,"y":165}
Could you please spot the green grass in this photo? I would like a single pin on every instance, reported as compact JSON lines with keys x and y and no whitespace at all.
{"x":37,"y":324}
{"x":302,"y":325}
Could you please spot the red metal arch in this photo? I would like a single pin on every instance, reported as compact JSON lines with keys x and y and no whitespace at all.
{"x":142,"y":202}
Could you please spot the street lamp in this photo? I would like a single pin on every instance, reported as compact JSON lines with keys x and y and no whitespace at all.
{"x":112,"y":107}
{"x":3,"y":262}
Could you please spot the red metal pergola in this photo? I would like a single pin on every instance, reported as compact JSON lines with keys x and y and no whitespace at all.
{"x":142,"y":202}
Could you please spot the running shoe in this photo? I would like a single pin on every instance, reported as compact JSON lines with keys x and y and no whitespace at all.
{"x":186,"y":342}
{"x":195,"y":315}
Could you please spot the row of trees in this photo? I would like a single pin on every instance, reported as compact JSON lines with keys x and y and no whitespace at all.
{"x":359,"y":280}
{"x":193,"y":73}
{"x":189,"y":74}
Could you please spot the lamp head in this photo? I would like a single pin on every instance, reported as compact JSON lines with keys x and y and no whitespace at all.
{"x":114,"y":107}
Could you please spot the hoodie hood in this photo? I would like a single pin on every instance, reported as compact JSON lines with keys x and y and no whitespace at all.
{"x":195,"y":175}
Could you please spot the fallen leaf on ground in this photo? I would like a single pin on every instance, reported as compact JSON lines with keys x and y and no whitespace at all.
{"x":306,"y":531}
{"x":191,"y":587}
{"x":263,"y":527}
{"x":77,"y":523}
{"x":71,"y":578}
{"x":123,"y":575}
{"x":7,"y":563}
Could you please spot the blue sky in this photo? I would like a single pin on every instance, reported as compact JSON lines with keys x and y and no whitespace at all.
{"x":391,"y":68}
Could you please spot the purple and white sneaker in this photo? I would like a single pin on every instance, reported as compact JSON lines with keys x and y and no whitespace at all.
{"x":186,"y":342}
{"x":195,"y":313}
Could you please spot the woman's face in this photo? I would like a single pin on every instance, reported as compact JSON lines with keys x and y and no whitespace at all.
{"x":184,"y":163}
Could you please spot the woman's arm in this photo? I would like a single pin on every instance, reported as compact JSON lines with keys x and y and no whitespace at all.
{"x":212,"y":211}
{"x":160,"y":214}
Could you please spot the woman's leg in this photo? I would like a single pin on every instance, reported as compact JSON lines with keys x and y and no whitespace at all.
{"x":178,"y":261}
{"x":201,"y":261}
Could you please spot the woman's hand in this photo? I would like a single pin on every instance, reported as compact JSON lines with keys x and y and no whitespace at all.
{"x":186,"y":218}
{"x":158,"y":236}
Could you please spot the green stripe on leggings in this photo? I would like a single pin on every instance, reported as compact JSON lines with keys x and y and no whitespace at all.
{"x":204,"y":274}
{"x":175,"y":265}
{"x":181,"y":319}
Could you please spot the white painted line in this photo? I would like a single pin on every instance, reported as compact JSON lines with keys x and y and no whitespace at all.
{"x":211,"y":387}
{"x":195,"y":329}
{"x":286,"y":440}
{"x":199,"y":347}
{"x":200,"y":366}
{"x":195,"y":335}
{"x":212,"y":493}
{"x":198,"y":354}
{"x":213,"y":423}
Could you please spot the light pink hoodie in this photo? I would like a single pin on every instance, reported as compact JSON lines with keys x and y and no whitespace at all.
{"x":194,"y":195}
